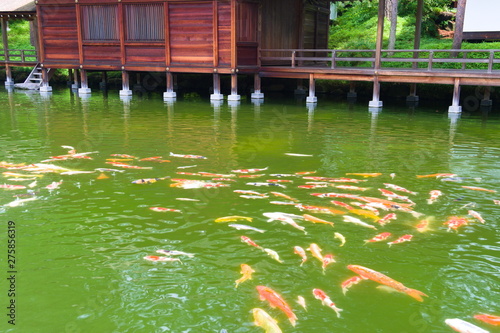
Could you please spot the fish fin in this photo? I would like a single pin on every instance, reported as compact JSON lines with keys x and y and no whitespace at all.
{"x":416,"y":294}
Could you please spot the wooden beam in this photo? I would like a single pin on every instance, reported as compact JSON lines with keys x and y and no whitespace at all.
{"x":78,"y":33}
{"x":233,"y":34}
{"x":121,"y":26}
{"x":215,"y":33}
{"x":5,"y":39}
{"x":167,"y":34}
{"x":459,"y":26}
{"x":380,"y":34}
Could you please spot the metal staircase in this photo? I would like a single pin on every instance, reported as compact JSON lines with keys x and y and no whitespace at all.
{"x":34,"y":79}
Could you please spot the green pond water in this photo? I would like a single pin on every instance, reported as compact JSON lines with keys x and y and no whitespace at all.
{"x":79,"y":252}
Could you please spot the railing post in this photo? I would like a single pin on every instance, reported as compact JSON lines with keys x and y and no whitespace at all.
{"x":464,"y":64}
{"x":431,"y":57}
{"x":334,"y":55}
{"x":490,"y":62}
{"x":293,"y":59}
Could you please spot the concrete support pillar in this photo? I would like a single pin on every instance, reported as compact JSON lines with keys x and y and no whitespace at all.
{"x":9,"y":82}
{"x":412,"y":97}
{"x":170,"y":93}
{"x":45,"y":81}
{"x":216,"y":96}
{"x":125,"y":84}
{"x":455,"y":104}
{"x":486,"y":101}
{"x":84,"y":90}
{"x":352,"y":94}
{"x":375,"y":102}
{"x":312,"y":90}
{"x":257,"y":94}
{"x":234,"y":88}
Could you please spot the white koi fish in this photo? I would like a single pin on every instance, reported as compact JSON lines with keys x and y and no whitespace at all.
{"x":434,"y":195}
{"x":273,"y":254}
{"x":463,"y":326}
{"x":298,"y":155}
{"x":175,"y":253}
{"x":19,"y":202}
{"x":399,"y":188}
{"x":357,"y":221}
{"x":188,"y":156}
{"x":476,"y":215}
{"x":300,"y":251}
{"x":245,"y":227}
{"x":249,"y":170}
{"x":340,"y":237}
{"x":302,"y":302}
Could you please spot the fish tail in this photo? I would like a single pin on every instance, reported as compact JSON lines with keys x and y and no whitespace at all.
{"x":416,"y":294}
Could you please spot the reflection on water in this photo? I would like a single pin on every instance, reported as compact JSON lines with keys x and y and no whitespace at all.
{"x":81,"y":246}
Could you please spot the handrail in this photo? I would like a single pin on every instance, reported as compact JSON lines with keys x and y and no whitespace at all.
{"x":18,"y":56}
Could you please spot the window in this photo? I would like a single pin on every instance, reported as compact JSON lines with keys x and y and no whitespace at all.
{"x":144,"y":22}
{"x":100,"y":23}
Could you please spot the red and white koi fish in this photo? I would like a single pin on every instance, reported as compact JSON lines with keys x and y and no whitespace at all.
{"x":404,"y":238}
{"x":476,"y":215}
{"x":275,"y":300}
{"x":437,"y":175}
{"x":314,"y":219}
{"x":391,"y":195}
{"x":342,"y":204}
{"x":352,"y":188}
{"x":320,"y":294}
{"x":490,"y":319}
{"x":305,"y":173}
{"x":496,"y":202}
{"x":250,"y":242}
{"x":302,"y":302}
{"x":386,"y":219}
{"x":345,"y":180}
{"x":379,"y":238}
{"x":249,"y":170}
{"x":174,"y":253}
{"x":475,"y":188}
{"x":252,"y":176}
{"x":264,"y":320}
{"x":463,"y":326}
{"x":122,"y":155}
{"x":455,"y":222}
{"x":54,"y":185}
{"x":279,"y":181}
{"x":351,"y":282}
{"x":434,"y":195}
{"x":422,"y":226}
{"x":12,"y":187}
{"x":366,"y":206}
{"x":373,"y":275}
{"x":153,"y":158}
{"x":327,"y":260}
{"x":364,"y":174}
{"x":161,"y":259}
{"x":312,"y":186}
{"x":301,"y":252}
{"x":336,"y":195}
{"x":164,"y":210}
{"x":316,"y":251}
{"x":278,"y":194}
{"x":398,"y":188}
{"x":250,"y":193}
{"x":317,"y":209}
{"x":188,"y":156}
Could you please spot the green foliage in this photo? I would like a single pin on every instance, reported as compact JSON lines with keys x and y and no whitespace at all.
{"x":19,"y":35}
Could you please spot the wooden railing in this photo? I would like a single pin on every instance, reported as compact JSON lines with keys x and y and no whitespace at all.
{"x":18,"y":56}
{"x":427,"y":60}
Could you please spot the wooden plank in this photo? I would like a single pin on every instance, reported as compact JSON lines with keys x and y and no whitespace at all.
{"x":167,"y":33}
{"x":233,"y":34}
{"x":215,"y":24}
{"x":121,"y":28}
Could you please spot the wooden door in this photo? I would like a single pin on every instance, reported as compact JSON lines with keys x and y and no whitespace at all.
{"x":247,"y":35}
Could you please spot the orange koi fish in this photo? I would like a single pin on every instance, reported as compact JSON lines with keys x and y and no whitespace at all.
{"x":490,"y":319}
{"x":316,"y":251}
{"x":275,"y":300}
{"x":122,"y":155}
{"x":153,"y":158}
{"x":313,"y":219}
{"x":352,"y":188}
{"x":102,"y":176}
{"x":320,"y":294}
{"x":386,"y":219}
{"x":279,"y":181}
{"x":317,"y":209}
{"x":305,"y":172}
{"x":301,"y":252}
{"x":422,"y":226}
{"x":434,"y":195}
{"x":247,"y":271}
{"x":463,"y":326}
{"x":365,"y":213}
{"x":12,"y":187}
{"x":404,"y":238}
{"x":455,"y":222}
{"x":379,"y":238}
{"x":251,"y":176}
{"x":351,"y":282}
{"x":248,"y":170}
{"x":114,"y":160}
{"x":342,"y":204}
{"x":327,"y":260}
{"x":312,"y":186}
{"x":475,"y":188}
{"x":264,"y":320}
{"x":370,"y":274}
{"x":336,"y":195}
{"x":437,"y":175}
{"x":247,"y":240}
{"x":364,"y":174}
{"x":161,"y":259}
{"x":366,"y":207}
{"x":476,"y":215}
{"x":164,"y":210}
{"x":279,"y":194}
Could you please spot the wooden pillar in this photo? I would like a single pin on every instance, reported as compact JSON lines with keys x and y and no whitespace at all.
{"x":459,"y":26}
{"x":84,"y":83}
{"x":125,"y":84}
{"x":45,"y":81}
{"x":352,"y":90}
{"x":216,"y":96}
{"x":257,"y":94}
{"x":312,"y":90}
{"x":455,"y":104}
{"x":234,"y":88}
{"x":104,"y":80}
{"x":75,"y":84}
{"x":5,"y":41}
{"x":486,"y":101}
{"x":300,"y":88}
{"x":170,"y":93}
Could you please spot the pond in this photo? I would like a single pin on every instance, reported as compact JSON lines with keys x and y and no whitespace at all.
{"x":79,"y":266}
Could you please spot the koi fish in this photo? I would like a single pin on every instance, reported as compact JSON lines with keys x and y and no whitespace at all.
{"x":54,"y":185}
{"x":437,"y":175}
{"x":496,"y":202}
{"x":379,"y":238}
{"x":279,"y":194}
{"x":463,"y":326}
{"x":275,"y":300}
{"x":313,"y":219}
{"x":250,"y":242}
{"x":351,"y":282}
{"x":475,"y":188}
{"x":316,"y":251}
{"x":122,"y":155}
{"x":252,"y":176}
{"x":273,"y":254}
{"x":253,"y":197}
{"x":148,"y":180}
{"x":75,"y":172}
{"x":364,"y":174}
{"x":398,"y":188}
{"x":386,"y":219}
{"x":336,"y":195}
{"x":186,"y":166}
{"x":476,"y":215}
{"x":317,"y":209}
{"x":279,"y":181}
{"x":12,"y":187}
{"x":422,"y":226}
{"x":325,"y":300}
{"x":312,"y":186}
{"x":164,"y":210}
{"x":109,"y":170}
{"x":366,"y":207}
{"x":285,"y":203}
{"x":278,"y":216}
{"x":267,"y":184}
{"x":118,"y":159}
{"x":342,"y":204}
{"x":305,"y":173}
{"x":19,"y":202}
{"x":352,"y":188}
{"x":391,"y":195}
{"x":247,"y":271}
{"x":282,"y":175}
{"x":404,"y":238}
{"x":298,"y":155}
{"x":454,"y":222}
{"x":490,"y":319}
{"x":300,"y":251}
{"x":434,"y":195}
{"x":302,"y":302}
{"x":327,"y":260}
{"x":153,"y":158}
{"x":245,"y":227}
{"x":186,"y":199}
{"x":249,"y":170}
{"x":175,"y":253}
{"x":365,"y":213}
{"x":161,"y":259}
{"x":264,"y":320}
{"x":373,"y":275}
{"x":102,"y":176}
{"x":354,"y":220}
{"x":188,"y":156}
{"x":340,"y":237}
{"x":233,"y":218}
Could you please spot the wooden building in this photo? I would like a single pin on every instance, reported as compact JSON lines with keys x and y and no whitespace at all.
{"x":175,"y":36}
